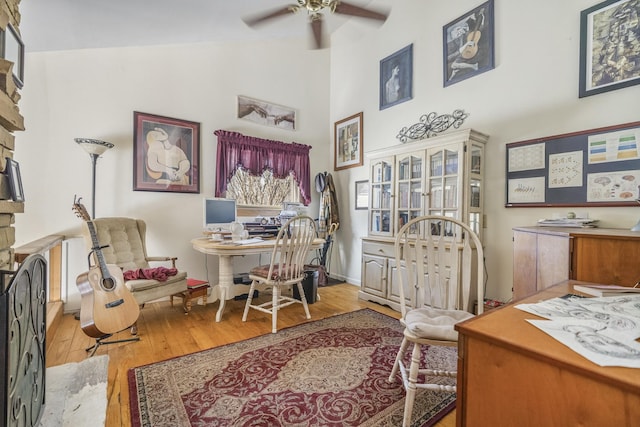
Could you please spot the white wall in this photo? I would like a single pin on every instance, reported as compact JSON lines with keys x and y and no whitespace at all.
{"x":93,"y":93}
{"x":532,"y":92}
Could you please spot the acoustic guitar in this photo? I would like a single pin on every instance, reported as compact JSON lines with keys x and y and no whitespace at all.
{"x":471,"y":47}
{"x":106,"y":305}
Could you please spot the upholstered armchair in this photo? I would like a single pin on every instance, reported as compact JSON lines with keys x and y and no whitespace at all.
{"x":123,"y":244}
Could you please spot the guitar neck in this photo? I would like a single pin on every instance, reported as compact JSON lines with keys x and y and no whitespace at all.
{"x":98,"y":251}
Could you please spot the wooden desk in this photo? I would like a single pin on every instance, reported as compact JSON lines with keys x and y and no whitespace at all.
{"x":225,"y":252}
{"x":512,"y":374}
{"x":544,"y":256}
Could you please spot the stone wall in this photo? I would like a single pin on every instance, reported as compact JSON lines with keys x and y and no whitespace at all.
{"x":10,"y":121}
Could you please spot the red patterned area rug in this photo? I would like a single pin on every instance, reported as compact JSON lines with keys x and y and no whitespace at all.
{"x":330,"y":372}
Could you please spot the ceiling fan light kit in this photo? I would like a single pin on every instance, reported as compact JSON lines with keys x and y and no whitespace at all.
{"x":316,"y":5}
{"x":314,"y":10}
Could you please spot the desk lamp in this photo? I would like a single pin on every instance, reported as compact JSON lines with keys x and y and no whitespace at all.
{"x":95,"y":148}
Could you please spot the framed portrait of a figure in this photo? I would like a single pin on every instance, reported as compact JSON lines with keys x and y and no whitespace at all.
{"x":166,"y":154}
{"x":468,"y":44}
{"x":348,"y":142}
{"x":396,"y":77}
{"x":608,"y":47}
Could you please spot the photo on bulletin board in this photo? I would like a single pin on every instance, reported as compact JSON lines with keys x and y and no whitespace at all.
{"x":596,"y":167}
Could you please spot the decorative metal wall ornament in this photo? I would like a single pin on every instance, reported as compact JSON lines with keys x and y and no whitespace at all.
{"x":432,"y":124}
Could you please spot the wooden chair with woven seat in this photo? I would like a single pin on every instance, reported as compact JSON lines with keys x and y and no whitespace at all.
{"x":285,"y":270}
{"x":440,"y":274}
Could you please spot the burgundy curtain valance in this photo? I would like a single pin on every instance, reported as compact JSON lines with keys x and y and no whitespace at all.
{"x":256,"y":155}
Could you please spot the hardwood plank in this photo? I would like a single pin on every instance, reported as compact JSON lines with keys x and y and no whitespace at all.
{"x":166,"y":332}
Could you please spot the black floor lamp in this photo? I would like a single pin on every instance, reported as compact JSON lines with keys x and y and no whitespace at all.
{"x":95,"y":148}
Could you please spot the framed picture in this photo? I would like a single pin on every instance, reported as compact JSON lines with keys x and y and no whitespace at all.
{"x":468,"y":44}
{"x":166,"y":154}
{"x":12,"y":171}
{"x":266,"y":113}
{"x":362,"y":195}
{"x":396,"y":77}
{"x":608,"y":59}
{"x":12,"y":49}
{"x":348,"y":138}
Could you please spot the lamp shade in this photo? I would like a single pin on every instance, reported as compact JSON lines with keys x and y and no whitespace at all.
{"x":94,"y":146}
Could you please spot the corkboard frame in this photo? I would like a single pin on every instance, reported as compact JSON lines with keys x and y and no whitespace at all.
{"x":596,"y":167}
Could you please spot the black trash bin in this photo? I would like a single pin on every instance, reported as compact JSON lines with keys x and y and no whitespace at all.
{"x":309,"y":286}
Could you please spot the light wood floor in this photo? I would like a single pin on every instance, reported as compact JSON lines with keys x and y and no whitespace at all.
{"x":166,"y":332}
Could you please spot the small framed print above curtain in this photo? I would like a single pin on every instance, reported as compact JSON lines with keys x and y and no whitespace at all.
{"x":266,"y":113}
{"x":348,"y":140}
{"x":608,"y":58}
{"x":166,"y":154}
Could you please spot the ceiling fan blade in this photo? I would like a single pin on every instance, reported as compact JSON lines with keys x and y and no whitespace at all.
{"x":353,"y":10}
{"x":316,"y":29}
{"x":259,"y":19}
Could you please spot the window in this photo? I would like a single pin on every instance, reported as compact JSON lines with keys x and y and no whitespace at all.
{"x":261,"y":169}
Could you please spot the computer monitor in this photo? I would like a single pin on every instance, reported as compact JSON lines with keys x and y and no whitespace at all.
{"x":218,"y":213}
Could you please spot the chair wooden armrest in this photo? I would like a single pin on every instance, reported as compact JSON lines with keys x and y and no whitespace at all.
{"x":163,"y":258}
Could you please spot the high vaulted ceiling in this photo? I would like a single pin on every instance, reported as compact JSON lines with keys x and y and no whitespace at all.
{"x":49,"y":25}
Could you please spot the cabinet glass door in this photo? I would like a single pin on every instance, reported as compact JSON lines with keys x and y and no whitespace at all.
{"x":475,"y":189}
{"x":381,"y":187}
{"x":410,"y":194}
{"x":443,"y":183}
{"x":476,"y":159}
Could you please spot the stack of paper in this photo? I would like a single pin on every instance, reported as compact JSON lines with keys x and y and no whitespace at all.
{"x":567,"y":222}
{"x":606,"y":290}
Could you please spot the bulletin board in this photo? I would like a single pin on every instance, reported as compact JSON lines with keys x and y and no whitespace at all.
{"x":597,"y":167}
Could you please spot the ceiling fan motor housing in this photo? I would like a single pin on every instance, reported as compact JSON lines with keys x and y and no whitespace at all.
{"x":314,"y":10}
{"x":317,"y":5}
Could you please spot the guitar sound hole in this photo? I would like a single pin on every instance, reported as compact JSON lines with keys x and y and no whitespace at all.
{"x":108,"y":284}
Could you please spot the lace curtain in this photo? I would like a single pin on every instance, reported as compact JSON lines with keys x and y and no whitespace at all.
{"x":263,"y":190}
{"x":256,"y":155}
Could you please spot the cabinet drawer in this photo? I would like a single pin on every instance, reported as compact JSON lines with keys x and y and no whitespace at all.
{"x":374,"y":248}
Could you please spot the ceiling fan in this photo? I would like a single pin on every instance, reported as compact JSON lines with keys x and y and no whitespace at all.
{"x":314,"y":9}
